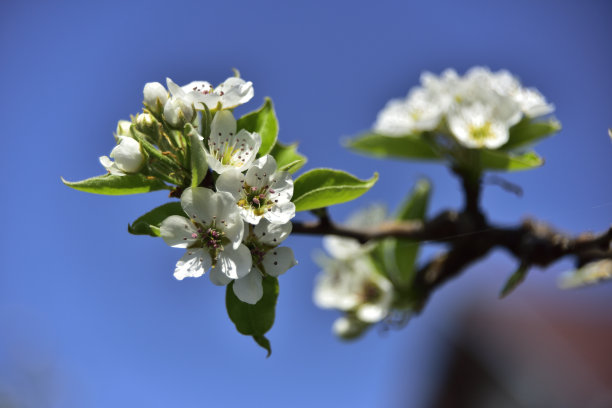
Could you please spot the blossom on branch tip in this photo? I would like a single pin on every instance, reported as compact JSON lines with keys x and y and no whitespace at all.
{"x":228,"y":94}
{"x":127,"y":155}
{"x":263,"y":192}
{"x":227,"y":149}
{"x":212,"y":235}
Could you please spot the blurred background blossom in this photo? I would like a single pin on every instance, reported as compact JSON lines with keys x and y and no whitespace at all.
{"x":91,"y":316}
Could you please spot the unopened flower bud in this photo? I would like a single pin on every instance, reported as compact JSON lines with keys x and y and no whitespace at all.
{"x":127,"y":155}
{"x":177,"y":112}
{"x":146,"y":123}
{"x":155,"y":96}
{"x":123,"y":128}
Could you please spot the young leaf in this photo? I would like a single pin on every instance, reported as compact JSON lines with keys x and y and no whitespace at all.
{"x":199,"y":167}
{"x":401,"y":254}
{"x":148,"y":224}
{"x":503,"y":161}
{"x":264,"y":122}
{"x":118,"y":185}
{"x":515,"y":279}
{"x":526,"y":132}
{"x":254,"y":320}
{"x":287,"y":158}
{"x":319,"y":188}
{"x":414,"y":146}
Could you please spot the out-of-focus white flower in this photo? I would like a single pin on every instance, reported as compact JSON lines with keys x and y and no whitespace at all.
{"x":228,"y":149}
{"x":476,"y":126}
{"x":155,"y":96}
{"x":589,"y":274}
{"x":212,"y":235}
{"x":263,"y":192}
{"x":479,"y":107}
{"x":178,"y":112}
{"x":228,"y":94}
{"x":268,"y":258}
{"x":127,"y":155}
{"x":353,"y":285}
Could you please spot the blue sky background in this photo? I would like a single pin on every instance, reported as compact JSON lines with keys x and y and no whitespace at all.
{"x":91,"y":316}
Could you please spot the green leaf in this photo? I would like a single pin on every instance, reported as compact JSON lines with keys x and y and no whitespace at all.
{"x":504,"y":161}
{"x":118,"y":185}
{"x":263,"y":342}
{"x":148,"y":224}
{"x":320,"y":188}
{"x":401,"y":254}
{"x":199,"y":167}
{"x":515,"y":279}
{"x":287,"y":158}
{"x":527,"y":132}
{"x":264,"y":122}
{"x":414,"y":146}
{"x":254,"y":320}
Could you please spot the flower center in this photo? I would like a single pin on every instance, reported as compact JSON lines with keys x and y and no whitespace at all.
{"x":481,"y":132}
{"x":230,"y":151}
{"x":256,"y":199}
{"x":209,"y":237}
{"x":370,"y":292}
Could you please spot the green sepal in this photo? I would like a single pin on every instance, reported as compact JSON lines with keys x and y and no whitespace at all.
{"x":287,"y":158}
{"x":498,"y":160}
{"x":254,"y":320}
{"x":148,"y":224}
{"x":412,"y":146}
{"x":199,"y":166}
{"x":515,"y":279}
{"x":320,"y":188}
{"x":109,"y":184}
{"x":264,"y":122}
{"x":401,"y":254}
{"x":527,"y":132}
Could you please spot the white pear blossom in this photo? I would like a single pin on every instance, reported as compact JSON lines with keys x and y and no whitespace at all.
{"x":477,"y":126}
{"x":127,"y":155}
{"x":268,"y":258}
{"x":263,"y":192}
{"x":478,"y":108}
{"x":155,"y":96}
{"x":212,"y":235}
{"x":178,"y":112}
{"x":353,"y":285}
{"x":227,"y":149}
{"x":228,"y":94}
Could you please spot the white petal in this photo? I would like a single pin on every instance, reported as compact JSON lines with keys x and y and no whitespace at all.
{"x":280,"y":213}
{"x":154,"y":92}
{"x":282,"y":185}
{"x":234,"y":91}
{"x":174,"y":89}
{"x":341,"y":248}
{"x":249,"y":288}
{"x":177,"y":231}
{"x":233,"y":226}
{"x":193,"y":264}
{"x":110,"y":166}
{"x":249,"y":216}
{"x":371,"y":313}
{"x":127,"y":155}
{"x":218,"y":278}
{"x":278,"y":260}
{"x":223,"y":125}
{"x":271,"y":234}
{"x":235,"y":263}
{"x":199,"y":205}
{"x":231,"y":182}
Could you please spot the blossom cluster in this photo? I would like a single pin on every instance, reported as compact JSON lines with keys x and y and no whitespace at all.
{"x":476,"y":109}
{"x":233,"y":226}
{"x":350,"y":280}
